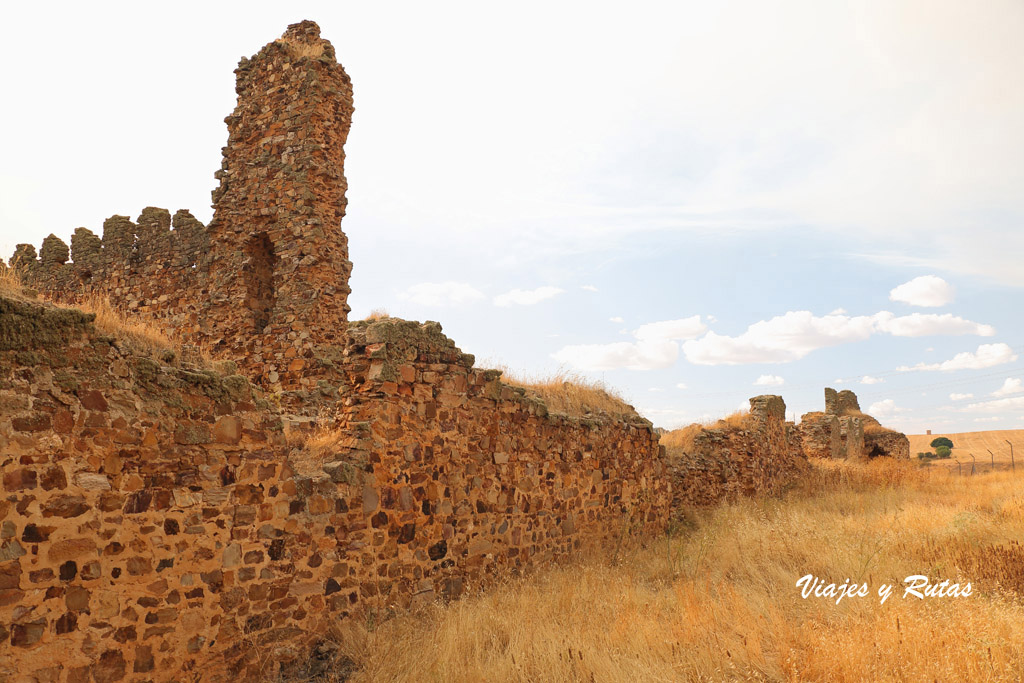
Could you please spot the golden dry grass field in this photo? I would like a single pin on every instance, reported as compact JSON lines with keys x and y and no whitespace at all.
{"x":978,"y":443}
{"x":717,"y":599}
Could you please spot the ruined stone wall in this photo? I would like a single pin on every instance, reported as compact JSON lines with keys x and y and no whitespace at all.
{"x":153,"y":267}
{"x":886,"y":442}
{"x":820,"y":435}
{"x":267,"y":283}
{"x":843,"y":431}
{"x":851,"y":437}
{"x":280,"y":203}
{"x":762,"y":456}
{"x":159,"y":522}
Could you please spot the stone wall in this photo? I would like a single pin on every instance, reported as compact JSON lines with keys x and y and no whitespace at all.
{"x":163,"y":522}
{"x":761,"y":456}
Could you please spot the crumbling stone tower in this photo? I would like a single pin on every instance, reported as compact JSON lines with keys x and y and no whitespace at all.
{"x":279,"y":268}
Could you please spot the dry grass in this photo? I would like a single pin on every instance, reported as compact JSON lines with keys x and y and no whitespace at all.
{"x":145,"y":335}
{"x":10,"y":281}
{"x":683,"y":438}
{"x":572,"y":394}
{"x":378,"y":314}
{"x":303,"y":49}
{"x":875,"y":428}
{"x":322,"y":440}
{"x":720,"y":602}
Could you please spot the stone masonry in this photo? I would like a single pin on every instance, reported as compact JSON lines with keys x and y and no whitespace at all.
{"x":762,"y":456}
{"x":165,"y":521}
{"x":843,"y":431}
{"x":161,"y":521}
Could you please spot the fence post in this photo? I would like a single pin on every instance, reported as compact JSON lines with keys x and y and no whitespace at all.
{"x":993,"y":458}
{"x":973,"y":460}
{"x":959,"y":469}
{"x":1013,"y":465}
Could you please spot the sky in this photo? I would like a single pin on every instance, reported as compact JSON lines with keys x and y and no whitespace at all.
{"x":691,"y":202}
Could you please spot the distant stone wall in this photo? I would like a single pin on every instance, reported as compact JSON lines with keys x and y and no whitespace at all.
{"x":163,"y":522}
{"x":843,"y":431}
{"x":762,"y":456}
{"x":886,"y":442}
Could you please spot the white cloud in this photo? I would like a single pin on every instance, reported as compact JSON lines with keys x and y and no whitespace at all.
{"x":589,"y":288}
{"x":926,"y":290}
{"x":656,"y":347}
{"x":769,"y":381}
{"x":681,"y":385}
{"x":527,"y":297}
{"x":930,"y":324}
{"x":711,"y":318}
{"x":987,"y":356}
{"x":442,"y":293}
{"x":994,"y":418}
{"x":795,"y":334}
{"x":616,"y":319}
{"x":960,"y":397}
{"x":782,"y":339}
{"x":1010,"y":386}
{"x":996,"y":406}
{"x":684,"y":328}
{"x":868,"y":379}
{"x":884,"y":408}
{"x":838,"y":311}
{"x":655,"y":389}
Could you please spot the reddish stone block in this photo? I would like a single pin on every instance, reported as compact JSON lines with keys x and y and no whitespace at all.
{"x":93,"y":400}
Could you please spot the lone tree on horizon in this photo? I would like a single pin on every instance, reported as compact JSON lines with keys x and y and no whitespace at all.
{"x":942,"y":441}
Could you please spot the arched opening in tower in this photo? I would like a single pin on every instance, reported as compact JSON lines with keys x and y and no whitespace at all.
{"x":261,"y":262}
{"x":877,"y":451}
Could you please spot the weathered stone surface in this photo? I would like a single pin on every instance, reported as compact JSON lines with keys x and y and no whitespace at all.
{"x":761,"y":456}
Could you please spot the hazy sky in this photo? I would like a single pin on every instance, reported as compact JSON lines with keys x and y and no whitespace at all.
{"x":696,"y":202}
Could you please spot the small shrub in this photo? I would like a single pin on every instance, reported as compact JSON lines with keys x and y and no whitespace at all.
{"x":942,"y":451}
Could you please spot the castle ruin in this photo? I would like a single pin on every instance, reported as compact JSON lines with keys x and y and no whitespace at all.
{"x":168,"y":520}
{"x":844,"y":431}
{"x":163,"y":519}
{"x":266,"y":283}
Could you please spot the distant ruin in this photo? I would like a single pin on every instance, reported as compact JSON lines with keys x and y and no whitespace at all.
{"x":844,"y":431}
